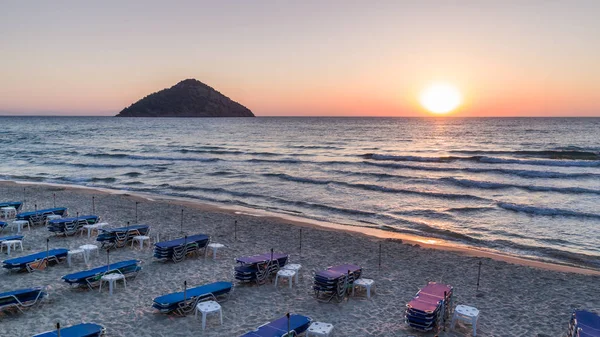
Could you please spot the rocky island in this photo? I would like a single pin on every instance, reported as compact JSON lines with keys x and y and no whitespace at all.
{"x":188,"y":98}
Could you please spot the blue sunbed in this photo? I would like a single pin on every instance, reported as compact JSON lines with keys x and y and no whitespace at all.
{"x":91,"y":277}
{"x":175,"y":302}
{"x":334,"y":281}
{"x":11,"y":237}
{"x":70,"y":226}
{"x":78,"y":330}
{"x":119,"y":237}
{"x":297,"y":324}
{"x":62,"y":211}
{"x":584,"y":324}
{"x":178,"y":249}
{"x":24,"y":262}
{"x":21,"y":298}
{"x":16,"y":204}
{"x":257,"y":268}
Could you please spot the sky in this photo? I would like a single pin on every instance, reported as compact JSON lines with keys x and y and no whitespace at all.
{"x":303,"y":58}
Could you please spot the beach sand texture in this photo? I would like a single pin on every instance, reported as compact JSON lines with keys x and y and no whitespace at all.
{"x":514,"y":300}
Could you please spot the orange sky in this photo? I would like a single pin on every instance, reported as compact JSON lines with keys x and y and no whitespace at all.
{"x":509,"y":58}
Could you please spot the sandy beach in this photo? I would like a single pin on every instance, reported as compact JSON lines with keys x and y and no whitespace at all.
{"x":514,"y":299}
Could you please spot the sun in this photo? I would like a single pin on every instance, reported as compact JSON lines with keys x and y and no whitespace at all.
{"x":440,"y":98}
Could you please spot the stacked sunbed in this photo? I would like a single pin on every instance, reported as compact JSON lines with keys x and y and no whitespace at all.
{"x":428,"y":310}
{"x":21,"y":298}
{"x":78,"y":330}
{"x":584,"y":324}
{"x":334,"y":282}
{"x":184,"y":302}
{"x":119,"y":237}
{"x":91,"y":277}
{"x":39,"y":217}
{"x":257,"y":268}
{"x":178,"y":249}
{"x":292,"y":325}
{"x":29,"y":262}
{"x":16,"y":204}
{"x":70,"y":226}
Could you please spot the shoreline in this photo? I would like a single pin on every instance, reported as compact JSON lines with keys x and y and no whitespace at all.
{"x":407,"y":239}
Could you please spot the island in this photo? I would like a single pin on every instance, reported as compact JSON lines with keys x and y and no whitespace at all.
{"x":188,"y":98}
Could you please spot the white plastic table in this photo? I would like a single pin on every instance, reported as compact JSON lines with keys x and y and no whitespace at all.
{"x":207,"y":308}
{"x":21,"y":224}
{"x":87,"y":251}
{"x":11,"y":243}
{"x":215,"y":247}
{"x":112,"y":279}
{"x":8,"y":212}
{"x":91,"y":228}
{"x":74,"y":252}
{"x":365,"y":283}
{"x":467,"y":314}
{"x":285,"y":273}
{"x":141,"y":239}
{"x":53,"y":217}
{"x":319,"y":329}
{"x":295,"y":267}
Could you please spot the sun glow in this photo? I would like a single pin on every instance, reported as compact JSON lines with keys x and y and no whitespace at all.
{"x":440,"y":98}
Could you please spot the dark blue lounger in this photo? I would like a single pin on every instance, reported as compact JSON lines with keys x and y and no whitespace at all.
{"x":118,"y":237}
{"x":70,"y":226}
{"x":11,"y":237}
{"x":584,"y":324}
{"x":62,"y":211}
{"x":16,"y":204}
{"x":21,"y":298}
{"x":178,"y":249}
{"x":79,"y":330}
{"x":279,"y":327}
{"x":23,"y":262}
{"x":176,"y":302}
{"x":92,"y":276}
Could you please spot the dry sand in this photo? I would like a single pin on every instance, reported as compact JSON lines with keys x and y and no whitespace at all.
{"x":514,"y":299}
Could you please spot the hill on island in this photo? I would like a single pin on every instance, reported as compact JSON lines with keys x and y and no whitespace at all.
{"x":188,"y":98}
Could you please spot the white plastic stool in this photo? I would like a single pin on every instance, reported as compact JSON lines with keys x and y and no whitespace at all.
{"x":141,"y":239}
{"x":319,"y":329}
{"x":21,"y":224}
{"x":466,"y":314}
{"x":11,"y":243}
{"x":207,"y":308}
{"x":112,"y":280}
{"x":285,"y":273}
{"x":75,"y":252}
{"x":91,"y":228}
{"x":365,"y":283}
{"x":294,"y":267}
{"x":215,"y":247}
{"x":87,"y":251}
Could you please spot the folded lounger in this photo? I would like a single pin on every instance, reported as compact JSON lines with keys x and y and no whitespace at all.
{"x":78,"y":330}
{"x":21,"y":298}
{"x":3,"y":225}
{"x":257,"y":268}
{"x":39,"y":217}
{"x":119,"y":237}
{"x":297,"y":324}
{"x":175,"y":302}
{"x":584,"y":324}
{"x":430,"y":307}
{"x":70,"y":226}
{"x":178,"y":249}
{"x":333,"y":282}
{"x":91,"y":277}
{"x":11,"y":237}
{"x":16,"y":204}
{"x":28,"y":262}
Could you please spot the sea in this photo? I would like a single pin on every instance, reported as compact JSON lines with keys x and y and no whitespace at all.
{"x":528,"y":187}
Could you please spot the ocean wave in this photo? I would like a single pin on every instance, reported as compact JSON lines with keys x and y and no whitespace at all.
{"x":297,"y":179}
{"x":532,"y":188}
{"x":132,"y":174}
{"x":546,"y":211}
{"x":565,"y":153}
{"x":485,"y":159}
{"x":467,"y":209}
{"x":138,"y":157}
{"x":234,"y":152}
{"x":322,"y":147}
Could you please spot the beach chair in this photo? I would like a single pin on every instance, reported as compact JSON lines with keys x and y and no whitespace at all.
{"x":177,"y":250}
{"x":119,"y":237}
{"x":21,"y":299}
{"x":91,"y":277}
{"x":184,"y":302}
{"x":429,"y":309}
{"x":78,"y":330}
{"x":584,"y":324}
{"x":258,"y":268}
{"x":286,"y":326}
{"x":16,"y":204}
{"x":39,"y":217}
{"x":71,"y":226}
{"x":334,"y":282}
{"x":36,"y":261}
